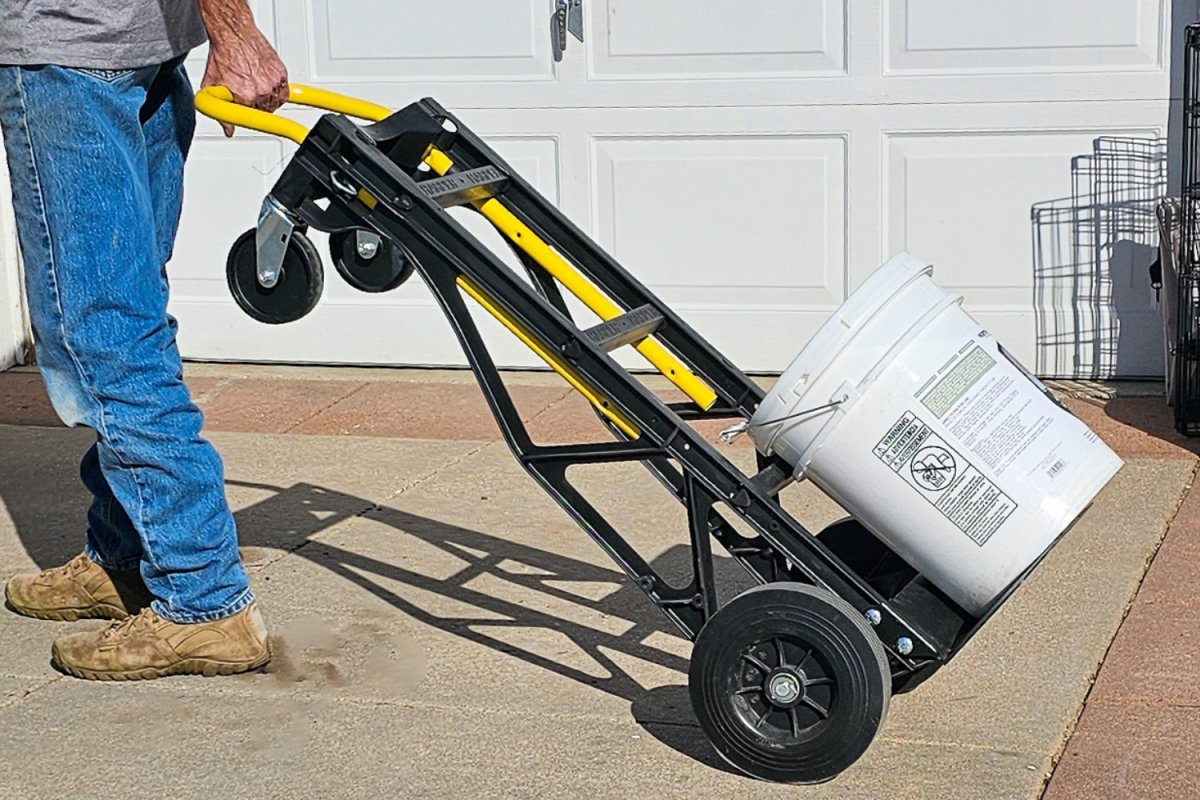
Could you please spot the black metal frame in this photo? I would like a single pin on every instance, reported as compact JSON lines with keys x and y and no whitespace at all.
{"x":346,"y":176}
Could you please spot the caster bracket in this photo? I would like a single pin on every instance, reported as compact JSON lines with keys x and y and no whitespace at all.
{"x":275,"y":228}
{"x":366,"y":244}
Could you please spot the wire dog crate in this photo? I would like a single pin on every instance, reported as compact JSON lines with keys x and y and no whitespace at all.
{"x":1186,"y":374}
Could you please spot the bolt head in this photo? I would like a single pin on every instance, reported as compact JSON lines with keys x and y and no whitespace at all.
{"x":785,"y":688}
{"x":873,"y":616}
{"x":367,"y":249}
{"x":267,"y":278}
{"x":904,"y":645}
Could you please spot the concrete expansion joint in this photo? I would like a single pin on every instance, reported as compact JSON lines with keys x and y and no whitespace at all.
{"x":408,"y":487}
{"x":981,"y":748}
{"x":200,"y":398}
{"x":318,"y":412}
{"x":27,"y":693}
{"x":416,"y":705}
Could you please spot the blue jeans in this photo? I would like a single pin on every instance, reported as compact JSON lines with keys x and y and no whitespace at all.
{"x":96,"y":161}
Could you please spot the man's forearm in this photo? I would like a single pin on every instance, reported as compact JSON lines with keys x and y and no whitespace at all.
{"x":240,"y":58}
{"x":225,"y":19}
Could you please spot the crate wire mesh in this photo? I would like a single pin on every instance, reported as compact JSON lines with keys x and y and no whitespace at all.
{"x":1186,"y":377}
{"x":1089,"y":255}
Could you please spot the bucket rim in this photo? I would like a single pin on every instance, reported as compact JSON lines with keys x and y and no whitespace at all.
{"x":841,"y":329}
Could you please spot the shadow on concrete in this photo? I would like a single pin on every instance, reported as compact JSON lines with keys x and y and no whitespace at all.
{"x":664,"y":712}
{"x":1152,"y":416}
{"x":42,"y":493}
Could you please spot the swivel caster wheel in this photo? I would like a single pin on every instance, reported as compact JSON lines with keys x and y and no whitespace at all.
{"x":790,"y":683}
{"x":369,"y":262}
{"x":294,"y":295}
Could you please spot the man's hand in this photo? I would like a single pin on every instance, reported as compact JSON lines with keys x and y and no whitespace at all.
{"x":240,"y":58}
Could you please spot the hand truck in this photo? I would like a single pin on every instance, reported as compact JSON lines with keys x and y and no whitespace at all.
{"x":790,"y":680}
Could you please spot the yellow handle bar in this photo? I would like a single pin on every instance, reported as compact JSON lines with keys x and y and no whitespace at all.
{"x":217,"y":102}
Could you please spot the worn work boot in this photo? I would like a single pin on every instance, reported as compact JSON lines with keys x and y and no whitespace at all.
{"x":80,"y":589}
{"x":148,"y":646}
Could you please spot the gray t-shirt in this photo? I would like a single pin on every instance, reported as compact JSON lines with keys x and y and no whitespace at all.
{"x":98,"y":34}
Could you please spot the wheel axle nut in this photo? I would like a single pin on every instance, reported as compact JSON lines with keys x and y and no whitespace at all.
{"x":904,"y":645}
{"x":873,"y":616}
{"x":785,"y":688}
{"x":367,"y":249}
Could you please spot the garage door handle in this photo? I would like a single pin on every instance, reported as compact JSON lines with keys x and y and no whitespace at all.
{"x":568,"y":18}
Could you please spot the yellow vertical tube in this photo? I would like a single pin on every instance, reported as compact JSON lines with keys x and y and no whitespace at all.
{"x":523,"y":237}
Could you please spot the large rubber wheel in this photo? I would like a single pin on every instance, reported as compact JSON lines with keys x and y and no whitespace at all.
{"x":301,"y":281}
{"x":790,"y":683}
{"x":384,"y":270}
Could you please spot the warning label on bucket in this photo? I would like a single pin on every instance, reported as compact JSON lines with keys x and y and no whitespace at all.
{"x":944,"y":478}
{"x":996,"y":413}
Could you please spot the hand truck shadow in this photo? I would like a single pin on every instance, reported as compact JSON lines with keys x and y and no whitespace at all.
{"x":305,"y":511}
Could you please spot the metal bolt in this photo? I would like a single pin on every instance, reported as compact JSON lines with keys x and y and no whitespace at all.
{"x":406,"y":202}
{"x":904,"y":645}
{"x":785,"y":688}
{"x":367,"y":249}
{"x":873,"y":616}
{"x":267,"y":278}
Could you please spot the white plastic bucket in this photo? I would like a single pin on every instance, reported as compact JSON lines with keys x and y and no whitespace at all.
{"x":909,"y":414}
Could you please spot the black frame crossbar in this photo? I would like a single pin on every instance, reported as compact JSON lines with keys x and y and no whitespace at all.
{"x":350,"y":177}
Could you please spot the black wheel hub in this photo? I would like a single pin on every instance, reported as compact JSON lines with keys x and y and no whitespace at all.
{"x":785,"y":688}
{"x":782,"y":690}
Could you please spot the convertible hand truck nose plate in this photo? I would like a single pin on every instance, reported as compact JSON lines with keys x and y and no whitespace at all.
{"x":790,"y":680}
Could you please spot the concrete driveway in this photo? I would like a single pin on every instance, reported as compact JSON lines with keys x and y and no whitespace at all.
{"x":443,"y":630}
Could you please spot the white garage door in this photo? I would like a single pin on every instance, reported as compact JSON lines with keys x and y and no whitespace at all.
{"x":753,"y":162}
{"x":12,"y":313}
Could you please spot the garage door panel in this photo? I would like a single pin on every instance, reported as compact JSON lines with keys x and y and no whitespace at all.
{"x":717,"y":37}
{"x":1018,"y":35}
{"x":224,"y":186}
{"x":447,"y":40}
{"x":750,"y":163}
{"x":732,"y":220}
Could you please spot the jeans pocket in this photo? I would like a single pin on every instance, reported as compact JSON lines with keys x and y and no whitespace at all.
{"x":106,"y":75}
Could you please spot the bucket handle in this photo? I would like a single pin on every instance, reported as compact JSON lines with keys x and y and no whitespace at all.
{"x":848,"y":393}
{"x":845,"y":337}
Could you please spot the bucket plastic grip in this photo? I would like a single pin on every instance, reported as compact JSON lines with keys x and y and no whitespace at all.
{"x":729,"y":434}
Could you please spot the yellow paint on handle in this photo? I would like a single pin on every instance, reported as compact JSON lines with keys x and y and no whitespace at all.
{"x":217,"y":102}
{"x":523,"y":237}
{"x":337,"y":103}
